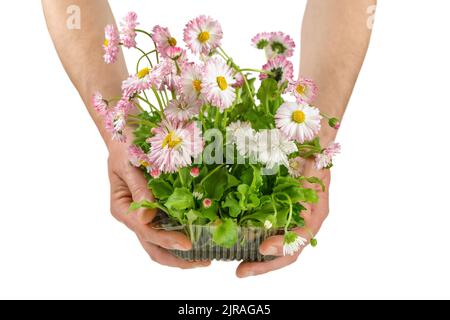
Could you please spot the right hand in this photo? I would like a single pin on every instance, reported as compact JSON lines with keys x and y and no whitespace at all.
{"x":128,"y":184}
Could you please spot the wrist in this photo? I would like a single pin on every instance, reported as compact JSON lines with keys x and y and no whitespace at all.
{"x":327,"y":134}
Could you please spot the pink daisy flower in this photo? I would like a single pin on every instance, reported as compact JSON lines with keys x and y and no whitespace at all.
{"x":195,"y":172}
{"x":304,"y":90}
{"x":163,"y":40}
{"x":281,"y":68}
{"x":202,"y":35}
{"x":115,"y":122}
{"x":174,"y":145}
{"x":155,"y":173}
{"x":138,"y":158}
{"x":143,"y":80}
{"x":239,"y":80}
{"x":207,"y":203}
{"x":169,"y":72}
{"x":100,"y":105}
{"x":111,"y":44}
{"x":325,"y":159}
{"x":261,"y":40}
{"x":174,"y":53}
{"x":191,"y":81}
{"x":116,"y":119}
{"x":280,"y":44}
{"x":128,"y":33}
{"x":217,"y":84}
{"x":298,"y":121}
{"x":181,"y":110}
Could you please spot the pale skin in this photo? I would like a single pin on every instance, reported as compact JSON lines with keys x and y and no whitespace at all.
{"x":334,"y":42}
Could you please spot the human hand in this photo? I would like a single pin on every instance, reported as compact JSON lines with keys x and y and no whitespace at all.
{"x":128,"y":184}
{"x":314,"y":217}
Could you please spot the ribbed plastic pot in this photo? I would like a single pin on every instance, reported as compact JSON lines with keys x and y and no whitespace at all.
{"x":204,"y":248}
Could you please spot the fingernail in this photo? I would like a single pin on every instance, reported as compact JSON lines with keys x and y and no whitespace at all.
{"x":178,"y":246}
{"x":270,"y":251}
{"x":249,"y":274}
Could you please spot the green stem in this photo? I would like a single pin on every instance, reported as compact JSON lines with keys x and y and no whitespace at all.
{"x":183,"y":183}
{"x":140,"y":121}
{"x":147,"y":102}
{"x":158,"y":99}
{"x":217,"y":119}
{"x":144,"y":54}
{"x":325,"y":115}
{"x":144,"y":32}
{"x":157,"y":53}
{"x":228,"y":59}
{"x":256,"y":70}
{"x":142,"y":57}
{"x":166,"y":95}
{"x":288,"y":222}
{"x":210,"y":173}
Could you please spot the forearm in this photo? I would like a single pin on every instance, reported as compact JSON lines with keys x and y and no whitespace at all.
{"x":81,"y":50}
{"x":335,"y":37}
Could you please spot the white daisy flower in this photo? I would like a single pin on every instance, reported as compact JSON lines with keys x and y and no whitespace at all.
{"x":234,"y":127}
{"x":197,"y":195}
{"x":247,"y":142}
{"x":292,"y":243}
{"x":298,"y":121}
{"x":217,"y":84}
{"x":296,"y":166}
{"x":274,"y":148}
{"x":268,"y":225}
{"x":191,"y":81}
{"x":203,"y":34}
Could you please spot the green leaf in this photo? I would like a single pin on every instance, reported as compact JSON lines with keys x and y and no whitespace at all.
{"x":316,"y":180}
{"x":268,"y":91}
{"x":259,"y":119}
{"x":185,"y":178}
{"x":180,"y":199}
{"x":232,"y":204}
{"x":160,"y":189}
{"x":246,"y":97}
{"x":210,"y":213}
{"x":232,"y":181}
{"x":216,"y":183}
{"x":191,"y":216}
{"x":146,"y":204}
{"x":226,"y":234}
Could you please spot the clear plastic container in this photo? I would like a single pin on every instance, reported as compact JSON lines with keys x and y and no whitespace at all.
{"x":204,"y":248}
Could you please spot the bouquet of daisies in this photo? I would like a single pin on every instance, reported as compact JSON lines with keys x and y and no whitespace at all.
{"x":216,"y":149}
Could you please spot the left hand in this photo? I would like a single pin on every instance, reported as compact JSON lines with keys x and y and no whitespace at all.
{"x":314,"y":217}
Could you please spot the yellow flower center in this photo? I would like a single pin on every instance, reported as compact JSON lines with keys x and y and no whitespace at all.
{"x":298,"y":116}
{"x":106,"y":42}
{"x":203,"y":36}
{"x":143,"y":73}
{"x":144,"y":163}
{"x":171,"y":140}
{"x":172,"y":41}
{"x":222,"y":83}
{"x":300,"y":89}
{"x":197,"y":84}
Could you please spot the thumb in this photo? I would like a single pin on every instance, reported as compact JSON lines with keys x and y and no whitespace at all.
{"x":137,"y":184}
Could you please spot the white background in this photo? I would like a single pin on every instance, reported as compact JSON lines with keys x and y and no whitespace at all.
{"x":388,"y":232}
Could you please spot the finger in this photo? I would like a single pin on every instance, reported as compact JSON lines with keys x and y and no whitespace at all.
{"x":248,"y":269}
{"x":165,"y":258}
{"x":166,"y":239}
{"x":273,"y":246}
{"x":138,"y":187}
